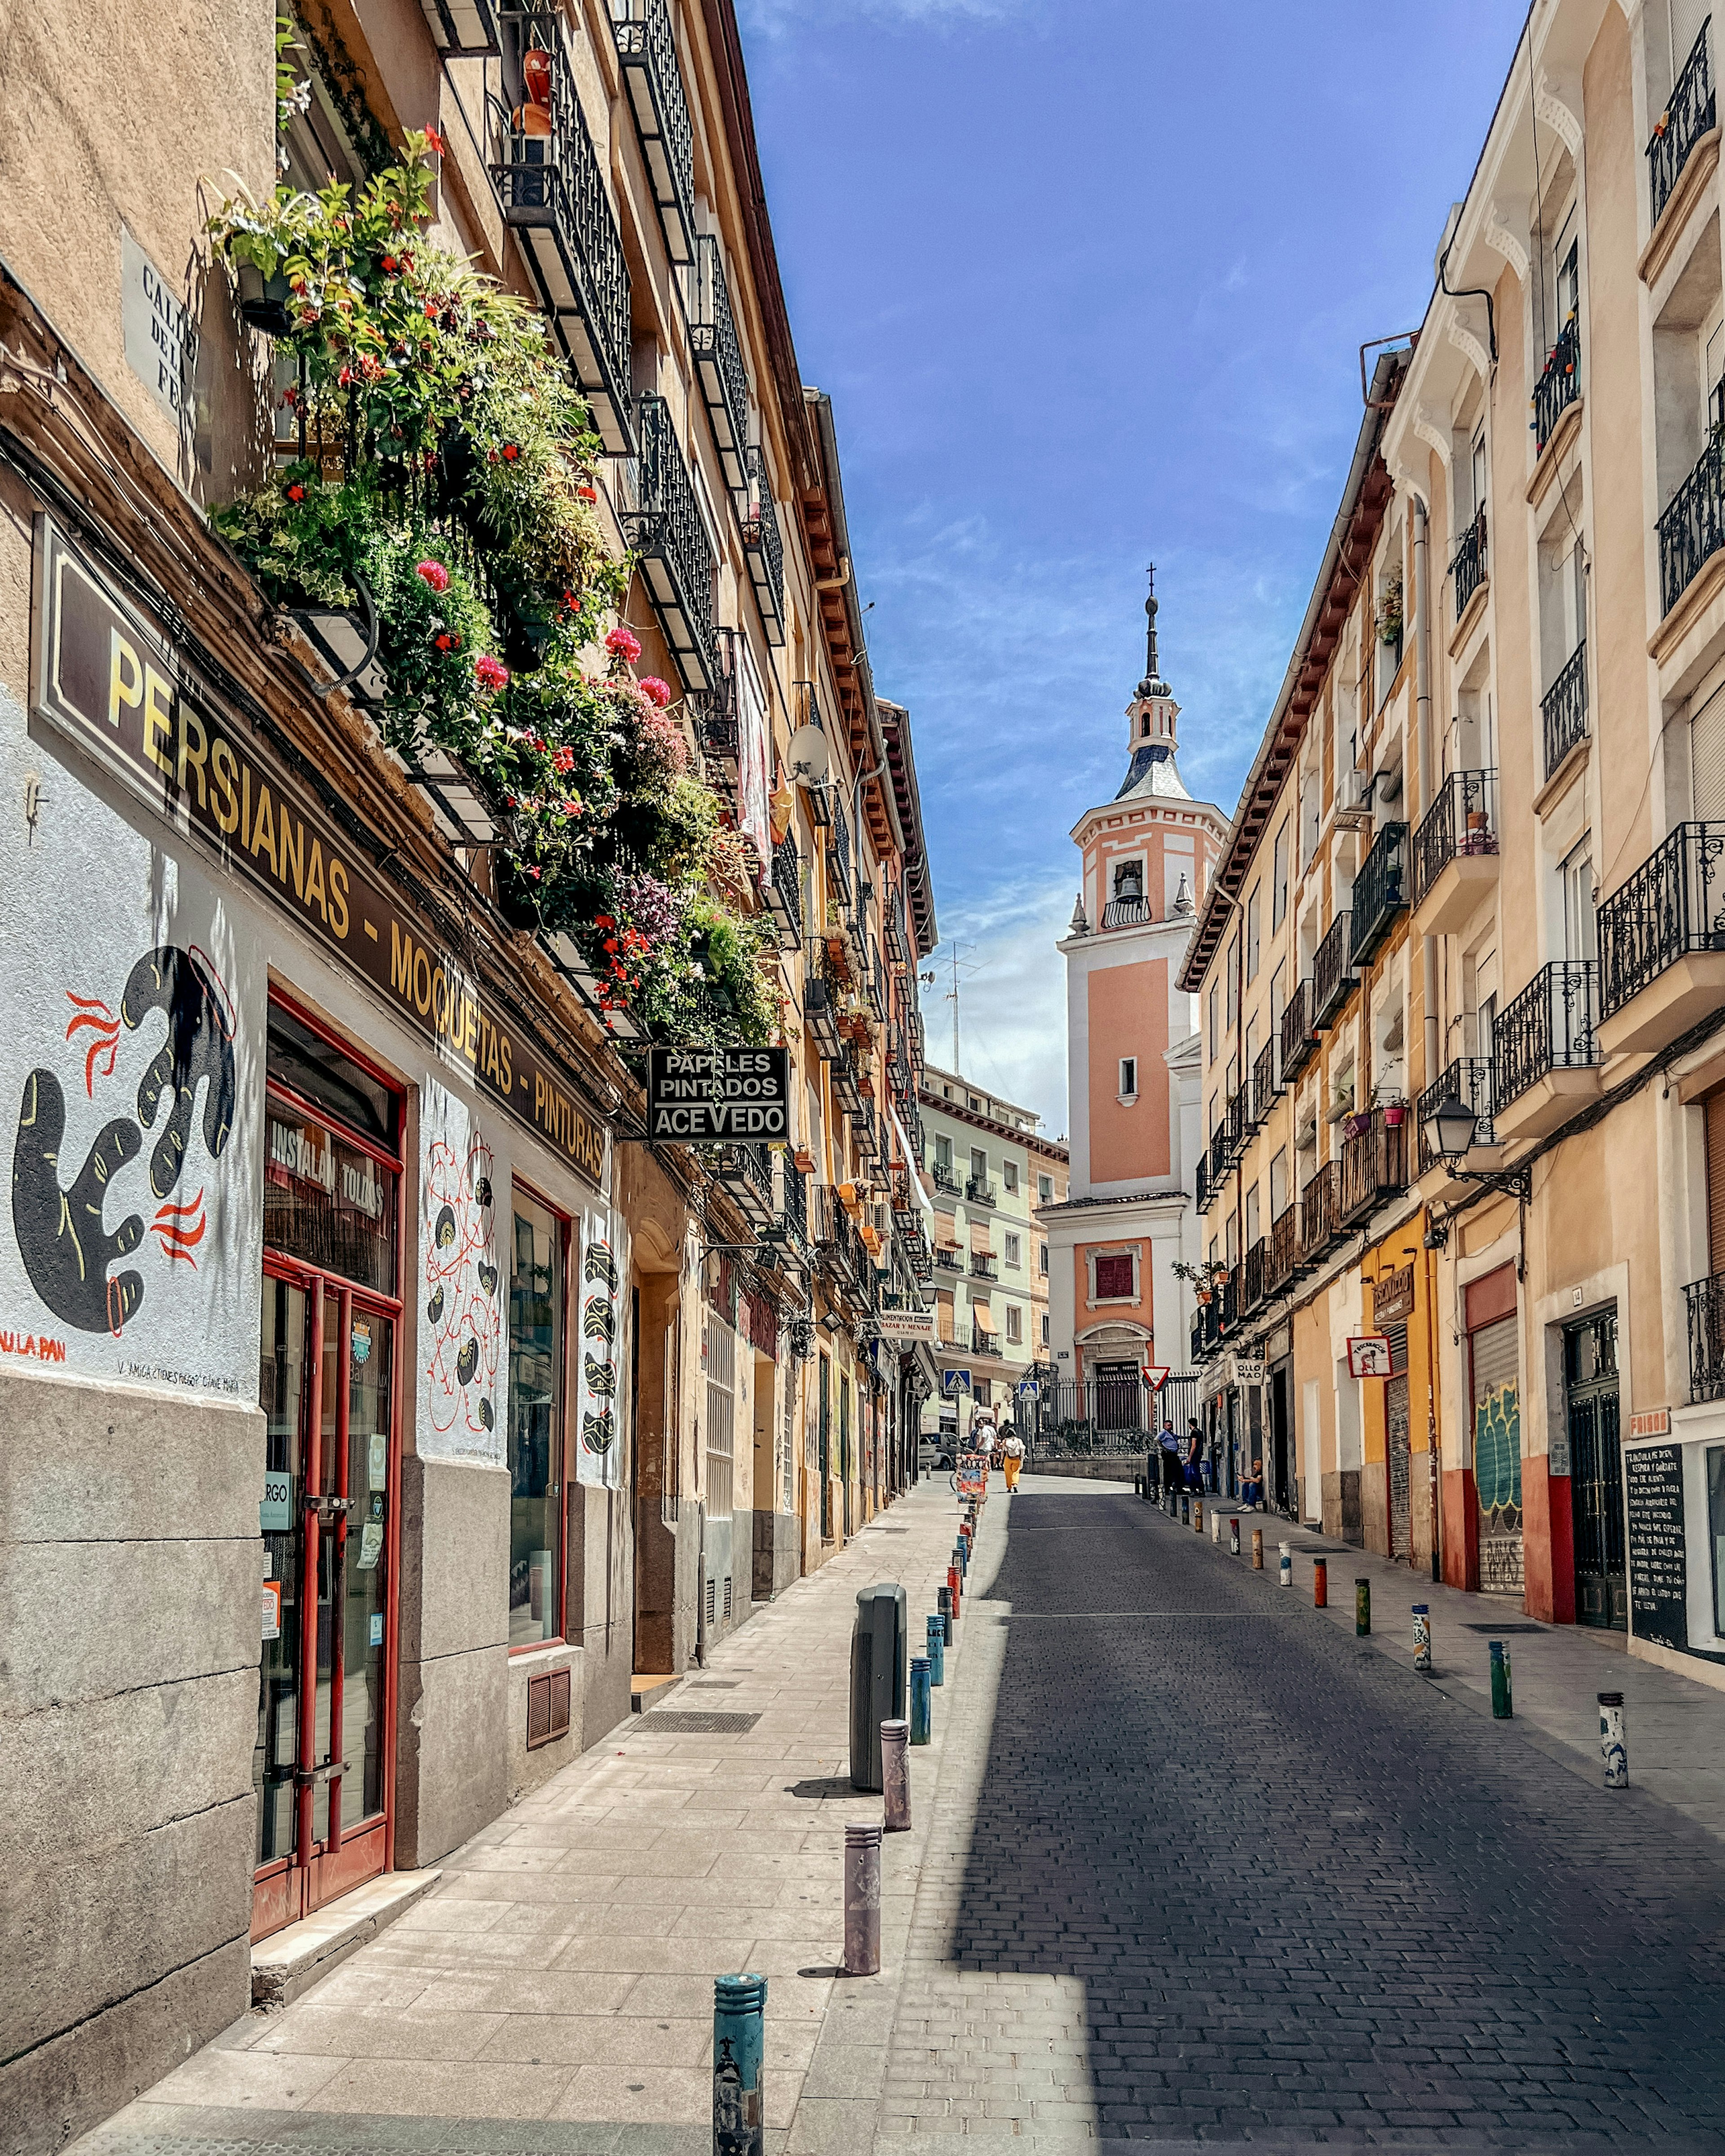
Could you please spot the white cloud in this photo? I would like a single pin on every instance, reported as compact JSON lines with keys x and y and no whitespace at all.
{"x":780,"y":18}
{"x":1012,"y":998}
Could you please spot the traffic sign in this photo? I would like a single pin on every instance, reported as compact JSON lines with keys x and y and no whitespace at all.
{"x":954,"y":1382}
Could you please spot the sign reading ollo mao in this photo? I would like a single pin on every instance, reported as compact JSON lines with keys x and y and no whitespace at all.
{"x":718,"y":1095}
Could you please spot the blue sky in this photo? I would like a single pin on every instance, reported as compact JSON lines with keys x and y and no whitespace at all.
{"x":1086,"y":280}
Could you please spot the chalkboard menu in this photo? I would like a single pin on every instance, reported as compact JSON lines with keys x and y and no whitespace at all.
{"x":1659,"y":1582}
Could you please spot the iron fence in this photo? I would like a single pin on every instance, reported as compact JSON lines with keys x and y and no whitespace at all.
{"x":1673,"y":903}
{"x":1688,"y":116}
{"x":1321,"y":1211}
{"x":1468,"y":564}
{"x":1380,"y":891}
{"x":1299,"y":1035}
{"x":1564,"y":709}
{"x":1332,"y":976}
{"x":1706,"y":1299}
{"x":1374,"y":1164}
{"x":1462,"y":820}
{"x":1549,"y":1026}
{"x":1692,"y":526}
{"x":1559,"y":382}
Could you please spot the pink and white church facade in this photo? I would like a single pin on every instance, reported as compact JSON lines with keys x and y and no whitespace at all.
{"x":1133,"y":1064}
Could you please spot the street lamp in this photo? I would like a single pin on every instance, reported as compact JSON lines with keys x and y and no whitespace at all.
{"x":1449,"y":1131}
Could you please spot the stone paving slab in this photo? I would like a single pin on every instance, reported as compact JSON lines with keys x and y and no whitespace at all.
{"x":561,"y":1973}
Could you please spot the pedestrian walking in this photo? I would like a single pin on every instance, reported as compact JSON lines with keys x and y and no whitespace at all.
{"x":1012,"y":1457}
{"x":1169,"y":1446}
{"x":1194,"y":1457}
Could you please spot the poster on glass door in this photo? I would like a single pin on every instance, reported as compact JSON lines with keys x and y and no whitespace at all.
{"x":598,"y":1433}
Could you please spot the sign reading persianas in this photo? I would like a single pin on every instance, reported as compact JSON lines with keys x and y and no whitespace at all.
{"x":110,"y":682}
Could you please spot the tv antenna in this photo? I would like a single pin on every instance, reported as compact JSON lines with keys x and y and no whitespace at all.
{"x":959,"y":965}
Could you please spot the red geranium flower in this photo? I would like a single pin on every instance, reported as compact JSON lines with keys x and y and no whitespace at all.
{"x":492,"y":673}
{"x":296,"y":492}
{"x":433,"y":141}
{"x":623,"y":644}
{"x":446,"y":642}
{"x":564,"y":759}
{"x":434,"y":574}
{"x":656,"y":691}
{"x":511,"y":450}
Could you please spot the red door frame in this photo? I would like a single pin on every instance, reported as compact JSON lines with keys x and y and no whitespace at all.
{"x":278,"y":1897}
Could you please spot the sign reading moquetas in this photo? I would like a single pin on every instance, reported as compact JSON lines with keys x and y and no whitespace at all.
{"x":719,"y":1096}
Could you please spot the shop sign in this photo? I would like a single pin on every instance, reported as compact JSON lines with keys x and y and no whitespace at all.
{"x":275,"y":1507}
{"x":161,"y":346}
{"x":906,"y":1324}
{"x":1245,"y":1370}
{"x":1658,"y":1568}
{"x":111,"y":684}
{"x":1368,"y":1355}
{"x":718,"y":1095}
{"x":1651,"y":1422}
{"x":1392,"y":1296}
{"x":972,"y":1474}
{"x":272,"y":1610}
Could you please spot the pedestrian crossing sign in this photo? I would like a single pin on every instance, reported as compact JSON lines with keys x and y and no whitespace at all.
{"x":953,"y":1383}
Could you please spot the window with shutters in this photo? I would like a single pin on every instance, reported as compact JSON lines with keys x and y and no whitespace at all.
{"x":1707,"y":760}
{"x":1715,"y":1111}
{"x":1014,"y":1324}
{"x":718,"y":1353}
{"x":1114,"y":1278}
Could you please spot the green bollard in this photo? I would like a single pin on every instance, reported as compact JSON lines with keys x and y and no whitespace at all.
{"x":1503,"y":1704}
{"x":1361,"y":1608}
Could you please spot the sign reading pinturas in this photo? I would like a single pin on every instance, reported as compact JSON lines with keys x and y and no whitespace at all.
{"x":719,"y":1096}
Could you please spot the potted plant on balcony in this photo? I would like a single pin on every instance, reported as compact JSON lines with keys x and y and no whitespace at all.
{"x":1389,"y":613}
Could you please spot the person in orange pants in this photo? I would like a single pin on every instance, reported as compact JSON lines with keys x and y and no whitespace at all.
{"x":1013,"y":1458}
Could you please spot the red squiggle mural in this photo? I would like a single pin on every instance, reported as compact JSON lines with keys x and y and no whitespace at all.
{"x":462,"y":1309}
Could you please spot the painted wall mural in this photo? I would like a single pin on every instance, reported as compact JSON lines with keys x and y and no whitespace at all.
{"x":463,"y":1294}
{"x":599,"y":1444}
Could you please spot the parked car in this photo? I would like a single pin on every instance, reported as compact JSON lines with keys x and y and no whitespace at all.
{"x":933,"y":1453}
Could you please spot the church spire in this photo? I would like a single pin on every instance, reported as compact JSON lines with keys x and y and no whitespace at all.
{"x":1150,"y":717}
{"x":1153,"y":683}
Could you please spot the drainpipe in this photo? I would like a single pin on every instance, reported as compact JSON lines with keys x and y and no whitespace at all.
{"x":1428,"y":990}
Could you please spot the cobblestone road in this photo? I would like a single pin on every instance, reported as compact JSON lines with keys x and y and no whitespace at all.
{"x":1206,"y":1868}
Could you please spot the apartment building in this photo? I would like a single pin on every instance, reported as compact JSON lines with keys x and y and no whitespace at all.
{"x":409,"y":599}
{"x":985,"y":1163}
{"x":1123,"y":1241}
{"x":1486,"y":1145}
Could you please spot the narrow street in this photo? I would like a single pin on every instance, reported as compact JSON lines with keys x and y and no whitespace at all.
{"x":1189,"y":1861}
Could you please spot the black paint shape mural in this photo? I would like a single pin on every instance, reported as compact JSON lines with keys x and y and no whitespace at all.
{"x":66,"y":1250}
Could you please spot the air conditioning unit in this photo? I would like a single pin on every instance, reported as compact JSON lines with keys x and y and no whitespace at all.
{"x":1354,"y":801}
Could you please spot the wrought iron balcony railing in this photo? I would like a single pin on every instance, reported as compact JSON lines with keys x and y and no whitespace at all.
{"x":1283,"y":1261}
{"x":1564,"y":709}
{"x":983,"y":1265}
{"x":1320,"y":1212}
{"x":983,"y":1342}
{"x":664,"y":527}
{"x":1692,"y":526}
{"x":648,"y":53}
{"x":1221,"y":1155}
{"x":1674,"y":904}
{"x":1331,"y":975}
{"x":837,"y":855}
{"x":1252,"y":1276}
{"x":1374,"y":1164}
{"x":1468,"y":1081}
{"x":718,"y":361}
{"x":1549,"y":1026}
{"x":746,"y":1171}
{"x":1468,"y":564}
{"x":784,"y":891}
{"x":1235,"y":1126}
{"x":1127,"y":913}
{"x":1462,"y":820}
{"x":764,"y":547}
{"x":1380,"y":891}
{"x":948,"y":1260}
{"x":1559,"y":382}
{"x":552,"y":190}
{"x":1266,"y":1088}
{"x":793,"y":1209}
{"x":1205,"y":1194}
{"x":1706,"y":1299}
{"x":978,"y":1190}
{"x":1686,"y":119}
{"x":944,"y":1179}
{"x":820,"y":1004}
{"x":1298,"y":1034}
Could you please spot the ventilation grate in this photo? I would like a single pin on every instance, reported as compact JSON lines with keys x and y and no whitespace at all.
{"x":727,"y":1597}
{"x":669,"y":1723}
{"x":715,"y":1684}
{"x":1503,"y":1631}
{"x":712,"y":1602}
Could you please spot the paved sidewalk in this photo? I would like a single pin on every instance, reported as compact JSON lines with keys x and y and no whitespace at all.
{"x":1676,"y":1724}
{"x":562,"y":1971}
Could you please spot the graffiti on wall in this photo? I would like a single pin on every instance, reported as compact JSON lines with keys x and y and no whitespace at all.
{"x":462,"y":1307}
{"x":1497,"y":1476}
{"x":74,"y":1260}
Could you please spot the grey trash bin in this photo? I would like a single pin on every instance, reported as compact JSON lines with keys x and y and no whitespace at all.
{"x":878,"y":1672}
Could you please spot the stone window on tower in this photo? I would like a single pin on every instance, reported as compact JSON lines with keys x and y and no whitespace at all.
{"x":1128,"y":1078}
{"x":1114,"y":1277}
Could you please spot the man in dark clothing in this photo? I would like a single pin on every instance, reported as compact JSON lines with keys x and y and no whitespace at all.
{"x":1169,"y":1448}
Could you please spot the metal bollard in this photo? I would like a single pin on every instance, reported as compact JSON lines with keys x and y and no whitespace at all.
{"x":944,"y":1599}
{"x":895,"y":1776}
{"x":921,"y":1700}
{"x":953,"y":1589}
{"x":936,"y":1629}
{"x":1234,"y":1536}
{"x":961,"y":1557}
{"x":1285,"y":1565}
{"x":1502,"y":1700}
{"x":739,"y":2017}
{"x":1361,"y":1608}
{"x":1320,"y":1583}
{"x":1185,"y":1510}
{"x":1215,"y":1526}
{"x":1257,"y":1549}
{"x":1614,"y":1740}
{"x":862,"y":1900}
{"x":1422,"y":1638}
{"x":1197,"y":1515}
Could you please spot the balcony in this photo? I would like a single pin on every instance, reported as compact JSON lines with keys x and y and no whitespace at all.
{"x":793,"y":1201}
{"x":948,"y":1260}
{"x":1282,"y":1259}
{"x":838,"y":857}
{"x":978,"y":1191}
{"x":1374,"y":1165}
{"x":1266,"y":1090}
{"x":1127,"y":913}
{"x":1564,"y":709}
{"x":1298,"y":1035}
{"x":1692,"y":528}
{"x":747,"y":1172}
{"x":718,"y":361}
{"x":1686,"y":119}
{"x":764,"y":547}
{"x":983,"y":1265}
{"x":1320,"y":1212}
{"x":1455,"y":852}
{"x":1468,"y":1081}
{"x":1380,"y":891}
{"x":1221,"y":1157}
{"x":1545,"y":1064}
{"x":1205,"y":1194}
{"x":1559,"y":382}
{"x":1662,"y":942}
{"x":649,"y":54}
{"x":944,"y":1179}
{"x":665,"y":529}
{"x":1252,"y":1275}
{"x":820,"y":1004}
{"x":552,"y":189}
{"x":1468,"y":564}
{"x":461,"y":29}
{"x":983,"y":1342}
{"x":1332,"y":976}
{"x":1706,"y":1299}
{"x":784,"y":891}
{"x":836,"y":1241}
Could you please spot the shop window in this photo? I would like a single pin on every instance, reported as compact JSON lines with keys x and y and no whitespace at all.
{"x":1114,"y":1278}
{"x":536,"y":1424}
{"x":718,"y":1354}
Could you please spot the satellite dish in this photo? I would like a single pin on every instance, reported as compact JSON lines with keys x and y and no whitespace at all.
{"x":810,"y":759}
